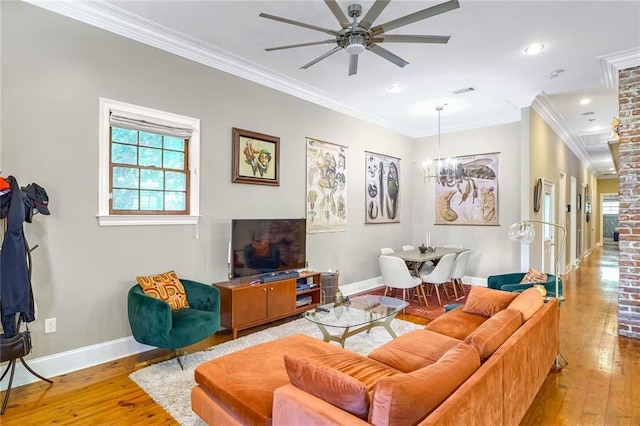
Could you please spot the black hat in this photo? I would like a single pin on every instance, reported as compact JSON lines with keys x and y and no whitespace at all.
{"x":37,"y":198}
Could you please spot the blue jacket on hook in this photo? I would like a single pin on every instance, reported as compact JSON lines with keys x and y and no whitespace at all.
{"x":16,"y":296}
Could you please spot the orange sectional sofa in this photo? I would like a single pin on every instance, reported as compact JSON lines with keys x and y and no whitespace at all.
{"x":482,"y":363}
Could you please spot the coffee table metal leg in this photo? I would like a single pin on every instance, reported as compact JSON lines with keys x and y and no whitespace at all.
{"x":348,"y":332}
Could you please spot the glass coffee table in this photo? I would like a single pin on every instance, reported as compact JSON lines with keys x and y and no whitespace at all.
{"x":361,"y":313}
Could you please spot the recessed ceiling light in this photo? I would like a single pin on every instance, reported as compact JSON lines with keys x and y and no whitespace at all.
{"x":395,"y":88}
{"x":595,"y":128}
{"x":585,"y":101}
{"x":534,"y":48}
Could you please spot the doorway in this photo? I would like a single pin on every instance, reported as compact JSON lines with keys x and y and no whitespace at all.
{"x":572,"y":222}
{"x":548,"y":231}
{"x":562,"y":214}
{"x":609,"y":206}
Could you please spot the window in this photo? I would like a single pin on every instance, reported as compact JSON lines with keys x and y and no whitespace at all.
{"x":609,"y":207}
{"x":149,"y":163}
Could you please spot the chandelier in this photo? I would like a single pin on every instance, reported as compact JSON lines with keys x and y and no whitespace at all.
{"x":440,"y":164}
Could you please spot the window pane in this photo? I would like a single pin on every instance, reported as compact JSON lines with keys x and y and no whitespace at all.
{"x":151,"y":179}
{"x":175,"y":201}
{"x":125,"y":199}
{"x":124,"y":135}
{"x":124,"y":154}
{"x":151,"y":200}
{"x":171,"y":142}
{"x":125,"y":177}
{"x":173,"y":160}
{"x":151,"y":157}
{"x":176,"y":181}
{"x":151,"y":139}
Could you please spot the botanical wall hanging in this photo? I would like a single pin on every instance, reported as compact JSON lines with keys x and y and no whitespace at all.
{"x":382,"y":188}
{"x":326,"y":187}
{"x":467,"y":191}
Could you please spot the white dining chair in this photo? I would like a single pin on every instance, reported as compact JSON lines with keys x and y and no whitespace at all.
{"x":457,"y":271}
{"x":408,"y":247}
{"x":395,"y":275}
{"x":440,"y":275}
{"x":386,"y":250}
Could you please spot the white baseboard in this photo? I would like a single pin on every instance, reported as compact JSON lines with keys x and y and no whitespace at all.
{"x":66,"y":362}
{"x":73,"y":360}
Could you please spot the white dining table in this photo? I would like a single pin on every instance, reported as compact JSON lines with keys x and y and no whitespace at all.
{"x":415,"y":259}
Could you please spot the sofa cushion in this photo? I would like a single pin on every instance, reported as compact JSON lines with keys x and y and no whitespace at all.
{"x":166,"y":287}
{"x":493,"y":332}
{"x":487,"y":301}
{"x":336,"y":388}
{"x":414,"y":350}
{"x":527,"y":303}
{"x":456,"y":323}
{"x":408,"y":398}
{"x":534,"y":276}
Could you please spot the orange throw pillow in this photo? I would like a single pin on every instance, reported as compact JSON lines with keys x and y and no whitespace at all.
{"x":487,"y":301}
{"x":331,"y":385}
{"x":534,"y":276}
{"x":165,"y":287}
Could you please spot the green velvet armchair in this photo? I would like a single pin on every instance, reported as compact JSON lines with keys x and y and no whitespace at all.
{"x":154,"y":323}
{"x":511,"y":282}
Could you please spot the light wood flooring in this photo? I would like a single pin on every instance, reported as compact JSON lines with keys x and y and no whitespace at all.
{"x":599,"y":386}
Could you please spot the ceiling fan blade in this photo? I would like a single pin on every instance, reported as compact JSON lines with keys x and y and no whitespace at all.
{"x":321,"y":57}
{"x":415,"y":17}
{"x":299,"y":24}
{"x":373,"y":13}
{"x":338,"y":13}
{"x":353,"y":64}
{"x":399,"y":38}
{"x":313,"y":43}
{"x":384,"y":53}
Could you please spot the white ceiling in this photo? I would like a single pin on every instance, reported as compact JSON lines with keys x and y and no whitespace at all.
{"x":586,"y":39}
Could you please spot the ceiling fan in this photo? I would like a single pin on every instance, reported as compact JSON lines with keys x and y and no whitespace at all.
{"x":355,"y":37}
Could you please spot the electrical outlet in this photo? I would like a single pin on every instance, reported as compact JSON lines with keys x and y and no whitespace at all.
{"x":49,"y":325}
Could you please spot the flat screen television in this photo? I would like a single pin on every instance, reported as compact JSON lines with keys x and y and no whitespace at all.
{"x":267,"y":245}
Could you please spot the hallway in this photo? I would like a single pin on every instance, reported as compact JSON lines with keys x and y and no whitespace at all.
{"x":601,"y":383}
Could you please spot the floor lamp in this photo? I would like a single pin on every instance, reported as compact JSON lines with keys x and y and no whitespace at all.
{"x":525,"y":232}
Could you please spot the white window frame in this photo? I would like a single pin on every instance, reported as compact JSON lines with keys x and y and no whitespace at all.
{"x":104,"y":155}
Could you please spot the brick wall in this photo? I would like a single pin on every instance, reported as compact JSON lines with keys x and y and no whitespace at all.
{"x":629,"y":193}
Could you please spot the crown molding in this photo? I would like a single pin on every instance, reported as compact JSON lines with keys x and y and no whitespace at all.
{"x":611,"y":63}
{"x":113,"y":19}
{"x":543,"y":105}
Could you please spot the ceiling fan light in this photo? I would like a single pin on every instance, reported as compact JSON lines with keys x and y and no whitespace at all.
{"x":356,"y":44}
{"x":355,"y":49}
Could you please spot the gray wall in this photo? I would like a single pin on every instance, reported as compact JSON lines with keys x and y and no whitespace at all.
{"x":492,"y":251}
{"x":53,"y":72}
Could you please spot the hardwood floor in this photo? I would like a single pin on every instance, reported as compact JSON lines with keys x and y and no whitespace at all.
{"x":601,"y":383}
{"x":599,"y":386}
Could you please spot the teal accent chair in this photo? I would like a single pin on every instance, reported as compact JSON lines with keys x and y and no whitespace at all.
{"x":153,"y":322}
{"x":511,"y":282}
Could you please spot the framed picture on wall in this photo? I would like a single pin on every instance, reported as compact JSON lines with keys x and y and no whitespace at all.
{"x":382,"y":188}
{"x":256,"y":158}
{"x":467,"y":190}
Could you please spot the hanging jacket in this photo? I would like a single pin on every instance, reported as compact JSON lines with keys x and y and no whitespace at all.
{"x":16,"y":296}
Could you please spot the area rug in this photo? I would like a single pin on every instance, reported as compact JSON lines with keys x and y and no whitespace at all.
{"x":170,"y":386}
{"x":433,"y":310}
